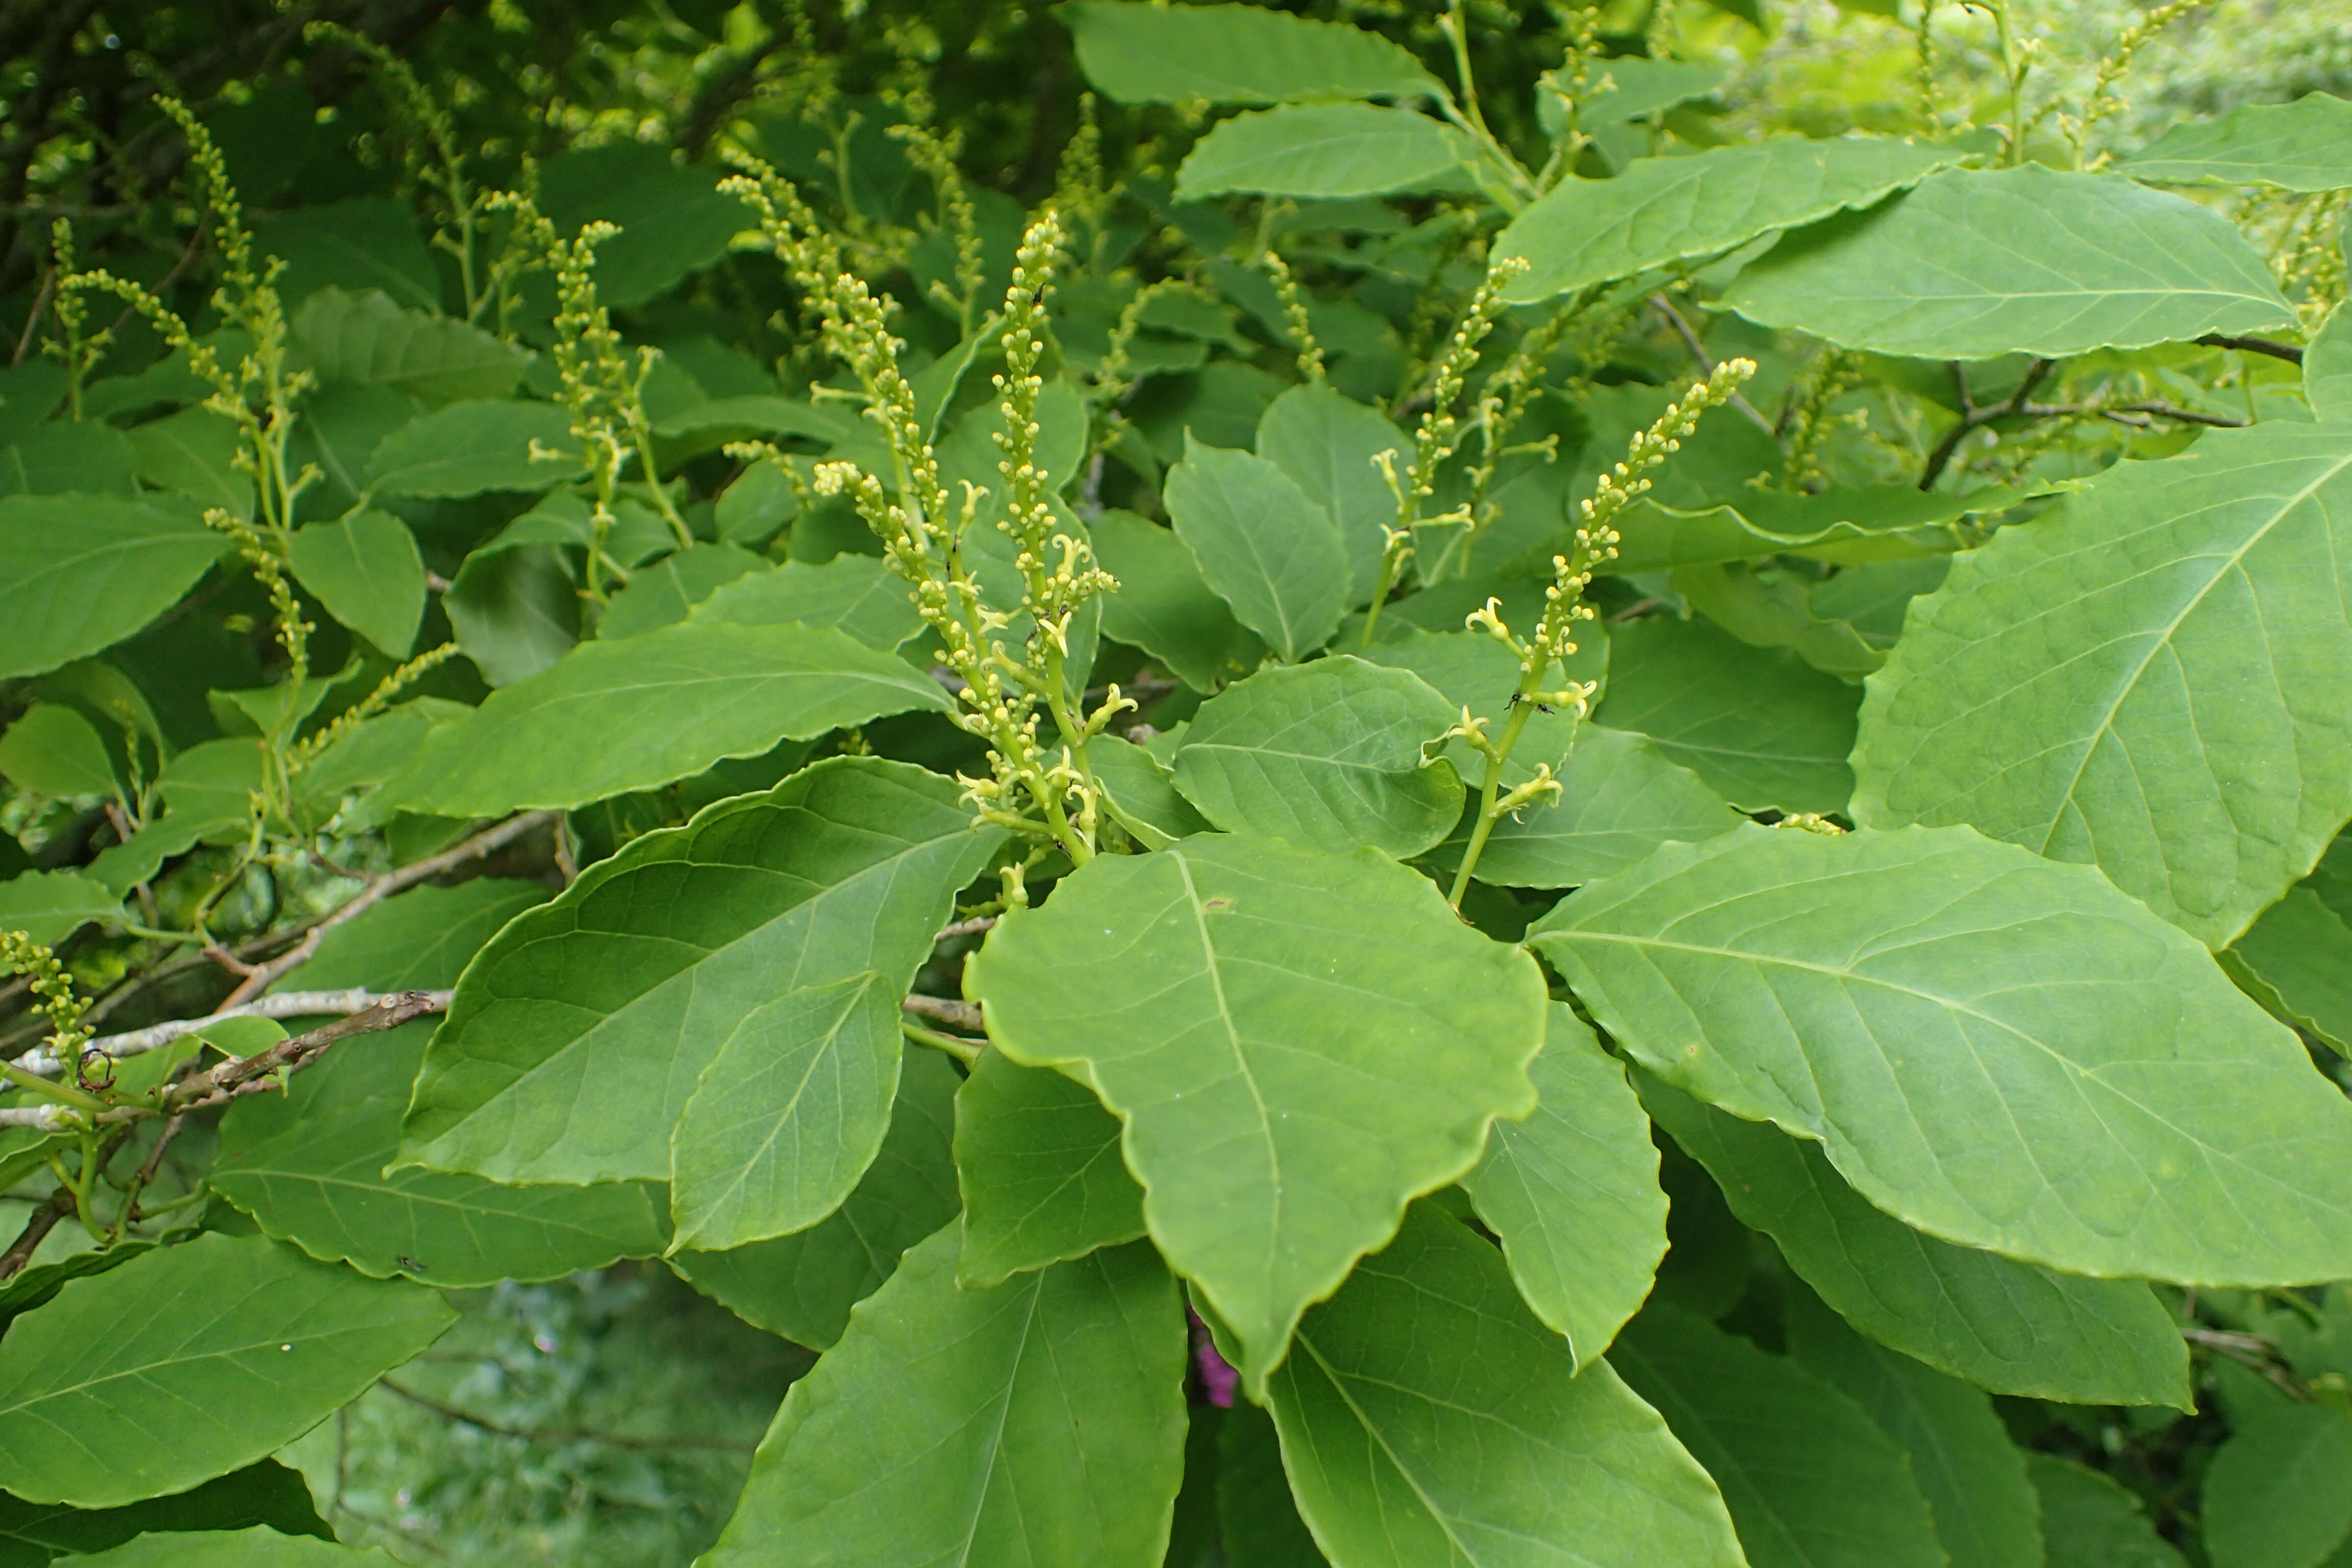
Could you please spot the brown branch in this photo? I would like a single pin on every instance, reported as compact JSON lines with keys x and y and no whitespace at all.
{"x":249,"y":1075}
{"x":959,"y":1015}
{"x":540,"y":1434}
{"x":1973,"y":417}
{"x":972,"y":927}
{"x":483,"y":843}
{"x":2287,"y":352}
{"x":37,"y":1225}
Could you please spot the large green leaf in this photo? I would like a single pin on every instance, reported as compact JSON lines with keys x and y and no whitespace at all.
{"x":2297,"y":958}
{"x":477,"y":446}
{"x":1992,"y":1047}
{"x":673,"y":217}
{"x":802,"y":1285}
{"x":1256,"y":1516}
{"x":1663,"y":210}
{"x":2089,"y":1520}
{"x":1141,"y":793}
{"x":1322,"y":150}
{"x":1321,"y":1041}
{"x":1854,"y":524}
{"x":266,"y":1492}
{"x":1619,"y":799}
{"x":1234,"y":54}
{"x":420,"y":940}
{"x":2275,"y":1493}
{"x":309,"y":1166}
{"x":1263,"y":547}
{"x":667,"y":592}
{"x":2305,"y":145}
{"x":1476,"y":674}
{"x":189,"y":1361}
{"x":1326,"y":442}
{"x":1427,"y":1418}
{"x":2327,"y":368}
{"x":515,"y":610}
{"x":577,"y":1036}
{"x":1987,"y":1514}
{"x":1811,"y":1480}
{"x":50,"y":905}
{"x":1573,"y":1192}
{"x":1328,"y":755}
{"x":1165,"y":607}
{"x":370,"y":242}
{"x":1758,"y":725}
{"x":1039,"y":1422}
{"x":53,"y":750}
{"x":1038,"y":1162}
{"x":2006,"y":1326}
{"x":855,"y":594}
{"x":367,"y":340}
{"x":365,"y":570}
{"x":257,"y":1547}
{"x":193,"y":452}
{"x":613,"y":717}
{"x":80,"y":572}
{"x":2148,"y":679}
{"x":1975,"y":264}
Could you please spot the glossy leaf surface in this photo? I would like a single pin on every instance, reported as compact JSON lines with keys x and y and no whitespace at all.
{"x":1037,"y":1158}
{"x":1263,"y":547}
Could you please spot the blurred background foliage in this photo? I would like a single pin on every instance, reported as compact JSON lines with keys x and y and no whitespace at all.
{"x":609,"y":1419}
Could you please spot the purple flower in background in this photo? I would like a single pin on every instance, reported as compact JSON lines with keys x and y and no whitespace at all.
{"x":1217,"y":1375}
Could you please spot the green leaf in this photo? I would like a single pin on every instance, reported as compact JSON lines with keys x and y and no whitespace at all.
{"x":29,"y":393}
{"x":309,"y":1164}
{"x":1041,"y":1422}
{"x":365,"y":570}
{"x":257,"y":1547}
{"x":674,"y":219}
{"x":1852,"y":524}
{"x":1760,"y":726}
{"x":577,"y":1036}
{"x":53,"y":750}
{"x":857,"y":593}
{"x":1473,"y":672}
{"x":419,"y":941}
{"x":367,"y":340}
{"x":2124,"y":1109}
{"x":1769,"y":605}
{"x":1165,"y":607}
{"x":2327,"y":368}
{"x":1038,"y":1163}
{"x":470,"y":448}
{"x":613,"y":717}
{"x":516,"y":612}
{"x":1987,"y":1513}
{"x":50,"y":905}
{"x":1572,"y":1191}
{"x":1977,"y":263}
{"x":1328,"y":755}
{"x":1663,"y":210}
{"x":263,"y":1494}
{"x":802,"y":1285}
{"x":667,"y":592}
{"x":1263,"y":547}
{"x":193,"y":452}
{"x":2275,"y":1495}
{"x":62,"y":458}
{"x":1141,"y":794}
{"x":708,"y":425}
{"x":80,"y":572}
{"x":2143,"y":680}
{"x":1811,"y":1480}
{"x":1257,"y":1515}
{"x":1234,"y":54}
{"x":1619,"y":799}
{"x":369,"y":243}
{"x":2305,"y":145}
{"x":2091,"y":1521}
{"x":1427,"y":1418}
{"x":2008,"y":1327}
{"x":1640,"y":87}
{"x":1326,"y":442}
{"x":1323,"y":150}
{"x":189,"y":1361}
{"x":2297,"y":960}
{"x":1278,"y":1115}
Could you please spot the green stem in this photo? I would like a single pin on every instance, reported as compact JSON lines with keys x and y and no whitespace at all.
{"x":965,"y":1052}
{"x":62,"y":1093}
{"x":1490,"y":787}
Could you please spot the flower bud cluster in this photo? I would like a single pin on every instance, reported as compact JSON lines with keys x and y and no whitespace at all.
{"x":53,"y":992}
{"x":1294,"y":316}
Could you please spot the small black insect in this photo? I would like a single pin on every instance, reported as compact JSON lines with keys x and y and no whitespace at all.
{"x":411,"y":1265}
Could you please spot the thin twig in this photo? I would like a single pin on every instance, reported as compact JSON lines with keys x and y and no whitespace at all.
{"x":37,"y":1225}
{"x":972,"y":927}
{"x":382,"y":887}
{"x":1683,"y":330}
{"x":1973,"y":417}
{"x":2287,"y":352}
{"x":33,"y":322}
{"x":537,"y":1435}
{"x":957,"y":1015}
